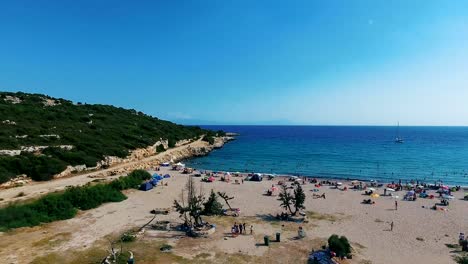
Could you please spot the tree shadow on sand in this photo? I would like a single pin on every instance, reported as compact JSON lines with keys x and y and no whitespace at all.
{"x":267,"y":217}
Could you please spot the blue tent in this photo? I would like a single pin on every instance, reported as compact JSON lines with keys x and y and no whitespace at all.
{"x":167,"y":176}
{"x":154,"y":182}
{"x":146,"y":186}
{"x":321,"y":257}
{"x":157,"y":177}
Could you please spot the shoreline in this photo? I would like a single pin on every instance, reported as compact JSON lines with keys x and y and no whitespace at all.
{"x":327,"y":178}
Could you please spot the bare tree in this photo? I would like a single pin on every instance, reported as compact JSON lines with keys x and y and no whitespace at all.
{"x":226,"y":198}
{"x":191,"y":205}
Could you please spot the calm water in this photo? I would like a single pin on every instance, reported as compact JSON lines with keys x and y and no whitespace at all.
{"x":429,"y":153}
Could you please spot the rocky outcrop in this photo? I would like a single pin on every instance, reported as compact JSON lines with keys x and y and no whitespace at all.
{"x":8,"y":152}
{"x":31,"y":149}
{"x":8,"y":122}
{"x":220,"y":141}
{"x":12,"y":99}
{"x":70,"y":170}
{"x":17,"y":181}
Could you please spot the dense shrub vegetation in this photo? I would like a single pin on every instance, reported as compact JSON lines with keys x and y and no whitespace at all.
{"x":339,"y":245}
{"x":60,"y":206}
{"x":462,"y":259}
{"x":95,"y":131}
{"x":39,"y":168}
{"x":133,"y":180}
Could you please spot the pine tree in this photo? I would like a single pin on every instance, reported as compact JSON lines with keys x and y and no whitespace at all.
{"x":286,"y":198}
{"x":299,"y":199}
{"x":212,"y":206}
{"x":295,"y":200}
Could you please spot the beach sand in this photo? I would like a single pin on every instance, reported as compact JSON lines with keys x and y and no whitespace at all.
{"x":420,"y":235}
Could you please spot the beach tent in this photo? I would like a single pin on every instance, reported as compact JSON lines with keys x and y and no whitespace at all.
{"x":321,"y":257}
{"x":256,"y":177}
{"x":157,"y":177}
{"x":154,"y":182}
{"x":146,"y":186}
{"x":166,"y":176}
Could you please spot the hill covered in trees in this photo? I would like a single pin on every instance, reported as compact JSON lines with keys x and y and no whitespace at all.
{"x":75,"y":134}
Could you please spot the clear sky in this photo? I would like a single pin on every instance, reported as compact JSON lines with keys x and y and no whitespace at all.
{"x":326,"y":62}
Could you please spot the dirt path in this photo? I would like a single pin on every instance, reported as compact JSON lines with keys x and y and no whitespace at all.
{"x":35,"y":189}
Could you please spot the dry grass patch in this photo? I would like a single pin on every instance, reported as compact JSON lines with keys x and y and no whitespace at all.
{"x":53,"y":240}
{"x":323,"y":217}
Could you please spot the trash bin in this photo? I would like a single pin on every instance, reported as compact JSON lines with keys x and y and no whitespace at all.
{"x":278,"y":237}
{"x":267,"y":240}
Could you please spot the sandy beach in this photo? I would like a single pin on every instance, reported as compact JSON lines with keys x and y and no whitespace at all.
{"x":419,"y":234}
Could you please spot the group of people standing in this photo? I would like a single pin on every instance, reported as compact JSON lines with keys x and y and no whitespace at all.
{"x":240,"y":229}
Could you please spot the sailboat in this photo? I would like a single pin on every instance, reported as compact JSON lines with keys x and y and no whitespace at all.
{"x":398,"y":139}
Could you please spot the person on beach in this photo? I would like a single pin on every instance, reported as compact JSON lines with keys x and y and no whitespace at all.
{"x":242,"y":181}
{"x":245,"y":230}
{"x":396,"y":205}
{"x":391,"y":226}
{"x":251,"y":229}
{"x":240,"y":228}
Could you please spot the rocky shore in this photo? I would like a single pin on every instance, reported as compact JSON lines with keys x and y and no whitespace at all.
{"x":138,"y":159}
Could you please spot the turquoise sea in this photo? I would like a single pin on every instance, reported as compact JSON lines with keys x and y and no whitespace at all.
{"x":359,"y":152}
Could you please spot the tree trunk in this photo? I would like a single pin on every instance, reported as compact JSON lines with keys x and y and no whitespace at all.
{"x":228,"y":205}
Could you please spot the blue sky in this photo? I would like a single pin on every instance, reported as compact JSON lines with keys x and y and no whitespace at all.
{"x":246,"y":62}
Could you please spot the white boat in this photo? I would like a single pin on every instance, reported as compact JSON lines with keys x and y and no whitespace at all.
{"x":398,"y":138}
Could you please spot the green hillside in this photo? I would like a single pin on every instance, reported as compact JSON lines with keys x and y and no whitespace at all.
{"x":94,"y":131}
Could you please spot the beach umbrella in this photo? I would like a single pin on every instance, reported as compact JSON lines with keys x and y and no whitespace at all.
{"x":274,"y":188}
{"x":339,"y":183}
{"x":445,"y":187}
{"x":390,"y":190}
{"x":371,"y":189}
{"x":374,"y":195}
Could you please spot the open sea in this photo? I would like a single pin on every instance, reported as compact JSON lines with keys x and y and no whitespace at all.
{"x":428,"y":154}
